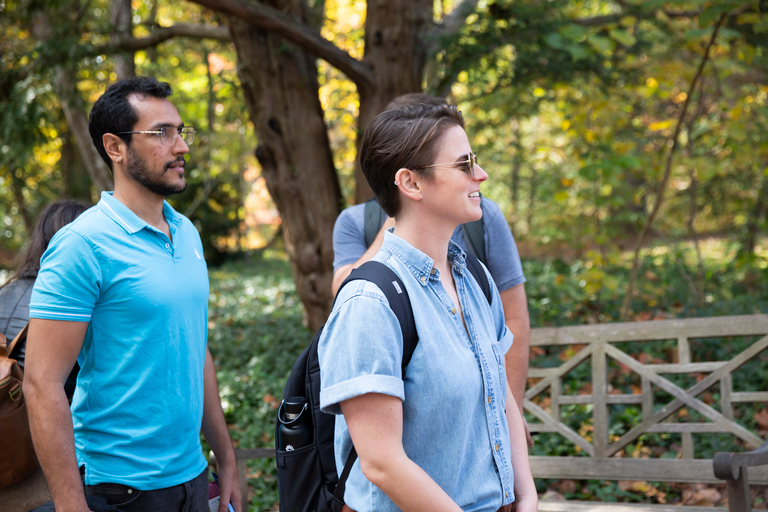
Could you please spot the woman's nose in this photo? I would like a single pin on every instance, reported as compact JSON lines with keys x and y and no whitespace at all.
{"x":479,"y":174}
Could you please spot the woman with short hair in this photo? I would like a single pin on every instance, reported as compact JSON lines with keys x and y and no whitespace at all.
{"x":447,"y":435}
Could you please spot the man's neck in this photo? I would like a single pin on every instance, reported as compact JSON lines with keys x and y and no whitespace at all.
{"x":147,"y":205}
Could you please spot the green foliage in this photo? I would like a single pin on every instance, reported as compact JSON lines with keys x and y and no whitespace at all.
{"x":255,"y":335}
{"x":35,"y":141}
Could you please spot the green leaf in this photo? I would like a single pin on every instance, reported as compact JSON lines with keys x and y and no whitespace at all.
{"x":578,"y":52}
{"x":554,"y":40}
{"x":695,"y":34}
{"x":710,"y":15}
{"x":573,"y":32}
{"x":623,"y":37}
{"x":601,"y":43}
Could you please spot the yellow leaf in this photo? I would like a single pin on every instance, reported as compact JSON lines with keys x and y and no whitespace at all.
{"x":661,"y":125}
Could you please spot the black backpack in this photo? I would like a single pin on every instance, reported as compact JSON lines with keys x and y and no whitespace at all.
{"x":473,"y":231}
{"x":307,"y":480}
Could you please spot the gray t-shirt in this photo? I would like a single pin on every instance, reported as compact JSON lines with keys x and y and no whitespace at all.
{"x":14,"y":306}
{"x":14,"y":312}
{"x":503,"y":260}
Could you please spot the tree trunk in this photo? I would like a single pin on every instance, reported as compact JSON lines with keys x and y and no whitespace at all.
{"x":122,"y":28}
{"x":64,"y":80}
{"x":754,"y":220}
{"x":517,"y":164}
{"x":280,"y":85}
{"x":77,"y":121}
{"x":395,"y":48}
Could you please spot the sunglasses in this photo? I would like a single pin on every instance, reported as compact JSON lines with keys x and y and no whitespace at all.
{"x":468,"y":165}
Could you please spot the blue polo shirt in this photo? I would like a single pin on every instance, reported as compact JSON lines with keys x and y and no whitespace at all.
{"x":138,"y":406}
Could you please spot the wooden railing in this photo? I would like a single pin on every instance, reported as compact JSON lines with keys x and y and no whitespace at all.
{"x":589,"y":361}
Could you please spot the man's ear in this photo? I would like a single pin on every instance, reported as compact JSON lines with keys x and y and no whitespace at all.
{"x":409,"y":183}
{"x":114,"y":146}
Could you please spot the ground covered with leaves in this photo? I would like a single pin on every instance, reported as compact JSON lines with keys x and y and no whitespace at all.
{"x":256,"y":332}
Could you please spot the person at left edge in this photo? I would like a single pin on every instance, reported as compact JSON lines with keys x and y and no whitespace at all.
{"x":124,"y":290}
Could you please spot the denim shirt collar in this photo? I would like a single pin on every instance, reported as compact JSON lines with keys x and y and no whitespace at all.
{"x":419,"y":264}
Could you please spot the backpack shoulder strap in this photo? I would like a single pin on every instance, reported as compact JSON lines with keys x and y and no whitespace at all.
{"x":394,"y":289}
{"x":478,"y":272}
{"x":473,"y":234}
{"x":374,"y":219}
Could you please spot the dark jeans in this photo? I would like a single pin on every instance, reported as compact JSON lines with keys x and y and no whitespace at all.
{"x":191,"y":496}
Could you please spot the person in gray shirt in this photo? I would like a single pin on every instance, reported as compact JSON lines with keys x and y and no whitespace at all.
{"x":15,"y":293}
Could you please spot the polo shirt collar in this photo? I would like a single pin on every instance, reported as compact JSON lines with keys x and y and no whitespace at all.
{"x":417,"y":262}
{"x":129,"y":221}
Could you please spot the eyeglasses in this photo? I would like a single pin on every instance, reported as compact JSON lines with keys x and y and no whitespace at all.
{"x":168,"y":134}
{"x":469,"y":165}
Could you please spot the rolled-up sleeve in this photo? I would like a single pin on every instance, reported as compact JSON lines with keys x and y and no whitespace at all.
{"x":360,"y":349}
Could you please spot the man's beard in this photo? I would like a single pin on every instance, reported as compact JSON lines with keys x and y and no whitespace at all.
{"x":137,"y":170}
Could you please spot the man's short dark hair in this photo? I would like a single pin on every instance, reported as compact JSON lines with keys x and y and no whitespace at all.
{"x":113,"y":113}
{"x":403,"y":138}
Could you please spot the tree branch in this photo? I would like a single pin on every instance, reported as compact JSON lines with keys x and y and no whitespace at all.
{"x":667,"y":172}
{"x":163,"y":34}
{"x":450,"y":25}
{"x":456,"y":19}
{"x":310,"y":40}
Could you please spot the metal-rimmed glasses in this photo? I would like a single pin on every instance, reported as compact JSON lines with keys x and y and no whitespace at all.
{"x":168,"y":134}
{"x":469,"y":165}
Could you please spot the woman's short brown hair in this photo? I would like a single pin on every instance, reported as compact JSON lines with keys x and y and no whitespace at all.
{"x":403,"y":138}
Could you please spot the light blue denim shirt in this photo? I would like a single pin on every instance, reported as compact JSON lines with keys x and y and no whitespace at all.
{"x":454,"y":391}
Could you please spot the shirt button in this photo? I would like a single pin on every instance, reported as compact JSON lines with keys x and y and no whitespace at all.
{"x":453,"y":311}
{"x":497,"y":446}
{"x":167,"y":246}
{"x":490,"y":399}
{"x":423,"y":279}
{"x":433,"y":271}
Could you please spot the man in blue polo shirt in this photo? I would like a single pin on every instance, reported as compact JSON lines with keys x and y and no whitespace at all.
{"x":124,"y":290}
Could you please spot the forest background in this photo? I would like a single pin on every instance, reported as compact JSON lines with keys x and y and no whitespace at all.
{"x":625,"y":142}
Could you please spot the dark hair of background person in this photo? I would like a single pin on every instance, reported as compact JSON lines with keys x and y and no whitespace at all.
{"x":403,"y":138}
{"x":415,"y":98}
{"x":113,"y":113}
{"x":54,"y":217}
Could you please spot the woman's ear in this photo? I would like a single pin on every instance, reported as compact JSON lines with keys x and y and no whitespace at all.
{"x":409,"y":183}
{"x":114,"y":146}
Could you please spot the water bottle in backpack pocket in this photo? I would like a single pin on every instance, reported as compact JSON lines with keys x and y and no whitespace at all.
{"x":295,"y":427}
